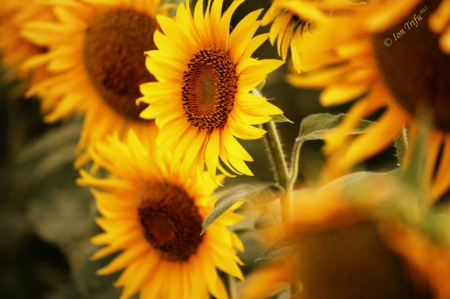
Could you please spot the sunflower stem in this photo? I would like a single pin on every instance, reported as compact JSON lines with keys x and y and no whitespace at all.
{"x":295,"y":163}
{"x":282,"y":175}
{"x":401,"y":144}
{"x":232,"y":291}
{"x":279,"y":161}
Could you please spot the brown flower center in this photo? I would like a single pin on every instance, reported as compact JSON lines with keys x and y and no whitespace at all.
{"x":414,"y":68}
{"x":209,"y":88}
{"x":351,"y":261}
{"x":114,"y":57}
{"x":170,"y":220}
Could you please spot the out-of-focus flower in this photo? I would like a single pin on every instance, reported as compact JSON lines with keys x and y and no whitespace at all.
{"x":288,"y":26}
{"x":385,"y":56}
{"x":154,"y":217}
{"x":14,"y":48}
{"x":361,"y":238}
{"x":94,"y":63}
{"x":202,"y":99}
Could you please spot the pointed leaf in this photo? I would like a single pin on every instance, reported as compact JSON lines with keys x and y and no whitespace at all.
{"x":315,"y":126}
{"x":278,"y":249}
{"x":243,"y":192}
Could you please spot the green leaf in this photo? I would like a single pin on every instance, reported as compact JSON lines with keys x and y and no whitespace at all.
{"x":280,"y":118}
{"x":315,"y":126}
{"x":243,"y":192}
{"x":278,"y":249}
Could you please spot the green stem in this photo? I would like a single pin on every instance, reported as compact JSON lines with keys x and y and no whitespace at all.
{"x":295,"y":162}
{"x":401,"y":144}
{"x":276,"y":153}
{"x":275,"y":148}
{"x":232,"y":292}
{"x":283,"y":177}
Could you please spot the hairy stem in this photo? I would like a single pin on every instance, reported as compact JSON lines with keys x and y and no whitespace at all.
{"x":401,"y":144}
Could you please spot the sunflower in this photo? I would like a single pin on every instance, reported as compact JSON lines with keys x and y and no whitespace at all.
{"x":14,"y":14}
{"x":288,"y":26}
{"x":201,"y":101}
{"x":347,"y":242}
{"x":95,"y":63}
{"x":385,"y":56}
{"x":155,"y":219}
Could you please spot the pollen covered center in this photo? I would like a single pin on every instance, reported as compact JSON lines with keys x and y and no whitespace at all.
{"x":414,"y":68}
{"x":209,"y":88}
{"x":114,"y":57}
{"x":170,"y":221}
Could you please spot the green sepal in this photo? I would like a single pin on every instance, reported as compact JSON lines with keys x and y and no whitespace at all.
{"x":280,"y":118}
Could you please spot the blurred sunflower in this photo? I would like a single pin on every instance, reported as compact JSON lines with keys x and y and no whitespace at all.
{"x":289,"y":26}
{"x":155,"y":218}
{"x":386,"y":57}
{"x":201,"y":101}
{"x":14,"y":49}
{"x":361,"y":238}
{"x":95,"y":63}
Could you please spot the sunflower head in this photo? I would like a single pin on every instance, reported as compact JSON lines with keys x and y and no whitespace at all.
{"x":341,"y":244}
{"x":413,"y":66}
{"x":154,"y":218}
{"x":201,"y":101}
{"x":209,"y":87}
{"x":170,"y":220}
{"x":95,"y":63}
{"x":114,"y":60}
{"x":386,"y":58}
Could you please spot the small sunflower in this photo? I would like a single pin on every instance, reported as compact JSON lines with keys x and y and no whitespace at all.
{"x":384,"y":55}
{"x":155,"y":219}
{"x":95,"y":62}
{"x":289,"y":27}
{"x":14,"y":49}
{"x":201,"y":101}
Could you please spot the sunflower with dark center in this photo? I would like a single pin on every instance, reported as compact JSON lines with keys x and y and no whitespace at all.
{"x":95,"y":64}
{"x":387,"y":57}
{"x":154,"y":217}
{"x":202,"y":98}
{"x":360,"y":237}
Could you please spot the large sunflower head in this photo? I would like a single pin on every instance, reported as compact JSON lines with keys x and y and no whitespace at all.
{"x":154,"y":219}
{"x":202,"y":99}
{"x":363,"y":236}
{"x":95,"y":63}
{"x":385,"y":56}
{"x":14,"y":49}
